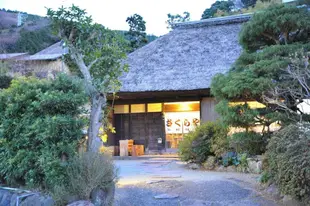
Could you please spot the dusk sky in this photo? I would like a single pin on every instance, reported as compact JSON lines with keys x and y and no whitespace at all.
{"x":113,"y":13}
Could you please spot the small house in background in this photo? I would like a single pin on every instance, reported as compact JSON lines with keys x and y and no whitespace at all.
{"x":166,"y":92}
{"x":44,"y":64}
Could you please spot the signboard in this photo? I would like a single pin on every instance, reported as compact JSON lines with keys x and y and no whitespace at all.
{"x":181,"y":122}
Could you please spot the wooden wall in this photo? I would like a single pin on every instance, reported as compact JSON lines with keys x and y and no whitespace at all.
{"x":207,"y":109}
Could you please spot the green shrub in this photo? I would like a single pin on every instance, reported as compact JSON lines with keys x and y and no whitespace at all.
{"x":288,"y":155}
{"x":196,"y":145}
{"x":84,"y":174}
{"x":40,"y":129}
{"x":219,"y":141}
{"x":243,"y":162}
{"x":233,"y":158}
{"x":248,"y":142}
{"x":5,"y":81}
{"x":265,"y":177}
{"x":229,"y":158}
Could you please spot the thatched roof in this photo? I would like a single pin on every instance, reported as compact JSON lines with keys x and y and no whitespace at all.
{"x":52,"y":52}
{"x":186,"y":58}
{"x":11,"y":56}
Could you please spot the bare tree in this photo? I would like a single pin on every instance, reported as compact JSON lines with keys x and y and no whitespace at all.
{"x":293,"y":88}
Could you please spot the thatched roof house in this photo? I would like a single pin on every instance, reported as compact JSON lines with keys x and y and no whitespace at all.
{"x":171,"y":77}
{"x":46,"y":63}
{"x":186,"y":58}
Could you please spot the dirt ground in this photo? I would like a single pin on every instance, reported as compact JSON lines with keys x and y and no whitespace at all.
{"x":161,"y":182}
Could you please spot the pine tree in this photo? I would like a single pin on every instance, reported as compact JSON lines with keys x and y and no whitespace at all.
{"x":269,"y":40}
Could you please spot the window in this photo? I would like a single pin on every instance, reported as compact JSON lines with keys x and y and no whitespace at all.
{"x":137,"y":108}
{"x":121,"y":109}
{"x":252,"y":104}
{"x":154,"y":107}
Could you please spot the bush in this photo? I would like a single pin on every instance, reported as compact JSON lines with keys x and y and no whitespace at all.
{"x":219,"y":142}
{"x":5,"y":81}
{"x":196,"y":145}
{"x":288,"y":156}
{"x":40,"y":128}
{"x":233,"y":158}
{"x":248,"y":142}
{"x":230,"y":158}
{"x":86,"y":173}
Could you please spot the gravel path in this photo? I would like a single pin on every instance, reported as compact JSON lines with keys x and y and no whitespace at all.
{"x":143,"y":180}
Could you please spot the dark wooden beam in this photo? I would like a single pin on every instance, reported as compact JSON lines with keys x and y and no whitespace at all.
{"x":158,"y":97}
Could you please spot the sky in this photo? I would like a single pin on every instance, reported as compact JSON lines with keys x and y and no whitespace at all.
{"x":113,"y":13}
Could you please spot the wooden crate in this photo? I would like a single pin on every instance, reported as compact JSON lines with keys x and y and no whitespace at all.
{"x":138,"y":150}
{"x":130,"y":145}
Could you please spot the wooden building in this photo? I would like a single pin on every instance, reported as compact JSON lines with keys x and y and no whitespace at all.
{"x":44,"y":64}
{"x":166,"y":92}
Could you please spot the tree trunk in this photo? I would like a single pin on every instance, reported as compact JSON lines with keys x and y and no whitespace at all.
{"x":97,"y":103}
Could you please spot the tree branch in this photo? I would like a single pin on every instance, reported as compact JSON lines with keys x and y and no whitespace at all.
{"x":94,"y":62}
{"x":271,"y":37}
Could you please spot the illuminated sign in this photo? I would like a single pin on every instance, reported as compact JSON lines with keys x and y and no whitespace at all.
{"x":181,"y":122}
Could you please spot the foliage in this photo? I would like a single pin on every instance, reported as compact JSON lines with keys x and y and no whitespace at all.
{"x":225,"y":6}
{"x":219,"y":141}
{"x":286,"y":25}
{"x":136,"y":33}
{"x":243,"y":162}
{"x":269,"y":39}
{"x":248,"y":3}
{"x":196,"y":145}
{"x":292,"y":93}
{"x":173,"y":19}
{"x":33,"y":41}
{"x":230,"y":158}
{"x":97,"y":52}
{"x":251,"y":143}
{"x":85,"y":173}
{"x":236,"y":159}
{"x":264,"y":177}
{"x":39,"y":129}
{"x":5,"y":81}
{"x":288,"y":157}
{"x":4,"y":68}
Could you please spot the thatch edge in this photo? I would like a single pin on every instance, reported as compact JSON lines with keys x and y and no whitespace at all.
{"x":214,"y":21}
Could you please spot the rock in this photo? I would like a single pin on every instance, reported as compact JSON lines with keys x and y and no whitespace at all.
{"x":154,"y":181}
{"x":194,"y":202}
{"x":166,"y":176}
{"x":13,"y":200}
{"x":193,"y":166}
{"x":289,"y":201}
{"x":100,"y":197}
{"x":255,"y":165}
{"x":37,"y":200}
{"x":81,"y":203}
{"x":5,"y":197}
{"x":71,"y":198}
{"x":166,"y":196}
{"x":210,"y":163}
{"x":231,"y":168}
{"x":273,"y":191}
{"x":221,"y":169}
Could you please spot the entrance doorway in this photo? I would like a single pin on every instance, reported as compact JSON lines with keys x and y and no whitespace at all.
{"x":180,"y":118}
{"x":157,"y":126}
